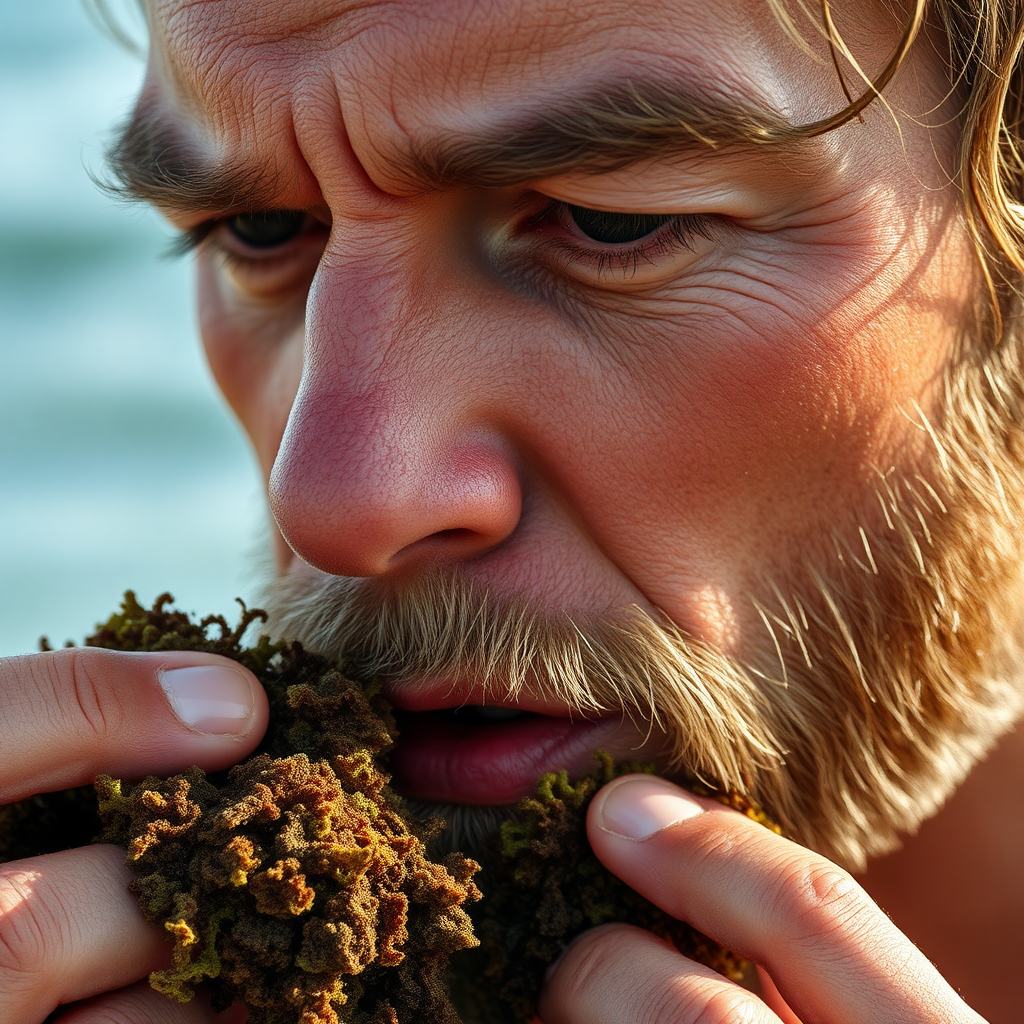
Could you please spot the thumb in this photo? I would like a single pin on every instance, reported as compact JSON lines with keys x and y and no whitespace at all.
{"x":66,"y":716}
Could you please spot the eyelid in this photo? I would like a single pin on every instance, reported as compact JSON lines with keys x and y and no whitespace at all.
{"x":680,"y":231}
{"x":190,"y":240}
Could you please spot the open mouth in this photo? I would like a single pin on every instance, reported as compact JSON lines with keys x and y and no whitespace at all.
{"x":489,"y":754}
{"x":481,"y":714}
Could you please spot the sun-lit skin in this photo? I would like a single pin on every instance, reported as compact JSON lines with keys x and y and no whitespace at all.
{"x":460,"y":376}
{"x":669,"y":434}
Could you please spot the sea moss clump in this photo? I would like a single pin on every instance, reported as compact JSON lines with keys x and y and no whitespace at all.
{"x":297,"y":883}
{"x":293,"y":882}
{"x":551,"y":886}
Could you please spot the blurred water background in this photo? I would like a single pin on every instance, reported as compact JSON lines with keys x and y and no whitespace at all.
{"x":118,"y":466}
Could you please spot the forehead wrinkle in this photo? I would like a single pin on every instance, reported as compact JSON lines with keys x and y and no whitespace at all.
{"x":430,"y":89}
{"x":209,"y":109}
{"x":523,"y":105}
{"x":232,"y":67}
{"x":606,"y":128}
{"x":281,"y":22}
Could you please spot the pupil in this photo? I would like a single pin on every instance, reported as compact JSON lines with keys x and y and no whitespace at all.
{"x":615,"y":228}
{"x":266,"y":229}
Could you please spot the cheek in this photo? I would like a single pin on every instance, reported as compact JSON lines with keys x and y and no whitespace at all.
{"x":255,"y":355}
{"x":746,"y":450}
{"x":739,"y":433}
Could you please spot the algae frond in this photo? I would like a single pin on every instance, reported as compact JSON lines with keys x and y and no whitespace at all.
{"x":297,"y":883}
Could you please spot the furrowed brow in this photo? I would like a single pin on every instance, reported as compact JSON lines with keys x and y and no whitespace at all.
{"x":619,"y":125}
{"x":150,"y":161}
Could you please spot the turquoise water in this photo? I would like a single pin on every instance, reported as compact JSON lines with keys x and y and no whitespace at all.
{"x":118,"y":466}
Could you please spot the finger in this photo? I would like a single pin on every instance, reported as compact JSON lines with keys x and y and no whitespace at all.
{"x":66,"y":716}
{"x":618,"y":974}
{"x":773,"y":998}
{"x":139,"y":1004}
{"x":830,"y":950}
{"x":69,"y":929}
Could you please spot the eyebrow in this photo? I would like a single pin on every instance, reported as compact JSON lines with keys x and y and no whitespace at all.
{"x":603,"y":130}
{"x":151,"y":160}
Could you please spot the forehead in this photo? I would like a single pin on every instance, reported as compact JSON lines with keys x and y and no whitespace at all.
{"x":461,"y":43}
{"x":383,"y":72}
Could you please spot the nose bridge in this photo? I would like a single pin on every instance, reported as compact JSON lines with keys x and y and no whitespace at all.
{"x":369,"y":327}
{"x":384,"y":380}
{"x":391,"y":453}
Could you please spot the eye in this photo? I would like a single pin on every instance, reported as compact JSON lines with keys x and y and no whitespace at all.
{"x":266,"y":253}
{"x":266,"y":229}
{"x":615,"y":228}
{"x":620,"y":250}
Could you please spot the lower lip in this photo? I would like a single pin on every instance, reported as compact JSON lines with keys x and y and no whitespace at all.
{"x":493,"y":763}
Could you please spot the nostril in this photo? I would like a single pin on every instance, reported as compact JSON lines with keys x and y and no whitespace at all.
{"x":456,"y":543}
{"x":460,"y":533}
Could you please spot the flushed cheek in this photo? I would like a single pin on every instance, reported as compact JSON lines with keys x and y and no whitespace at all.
{"x":742,"y":458}
{"x":255,"y":355}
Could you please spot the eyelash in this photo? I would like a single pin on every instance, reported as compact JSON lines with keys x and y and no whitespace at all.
{"x":191,"y":240}
{"x":188,"y":241}
{"x":679,"y":231}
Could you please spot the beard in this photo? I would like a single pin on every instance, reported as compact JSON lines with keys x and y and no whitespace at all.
{"x":883,"y":674}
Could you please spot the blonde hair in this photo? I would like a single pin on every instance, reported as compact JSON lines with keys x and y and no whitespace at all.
{"x":984,"y":40}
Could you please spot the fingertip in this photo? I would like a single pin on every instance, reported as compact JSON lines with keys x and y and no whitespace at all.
{"x":636,"y":807}
{"x":218,"y":697}
{"x":577,"y":960}
{"x":613,"y":972}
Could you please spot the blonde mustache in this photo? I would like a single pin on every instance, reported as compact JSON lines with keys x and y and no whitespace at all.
{"x":713,"y":711}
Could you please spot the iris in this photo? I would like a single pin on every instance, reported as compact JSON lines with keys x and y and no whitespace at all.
{"x":267,"y":228}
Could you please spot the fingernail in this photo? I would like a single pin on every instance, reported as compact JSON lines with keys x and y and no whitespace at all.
{"x":637,"y":806}
{"x":210,"y":698}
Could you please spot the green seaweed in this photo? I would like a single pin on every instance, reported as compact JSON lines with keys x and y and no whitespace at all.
{"x":297,"y":883}
{"x":544,"y":886}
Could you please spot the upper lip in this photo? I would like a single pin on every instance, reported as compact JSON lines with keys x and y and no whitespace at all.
{"x":439,"y":695}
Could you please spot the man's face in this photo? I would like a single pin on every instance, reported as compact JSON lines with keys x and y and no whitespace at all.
{"x":452,"y":368}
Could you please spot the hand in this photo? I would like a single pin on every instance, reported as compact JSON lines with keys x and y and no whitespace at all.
{"x":833,"y":955}
{"x":69,"y":929}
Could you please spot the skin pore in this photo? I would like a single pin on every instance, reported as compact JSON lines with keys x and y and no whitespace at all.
{"x":445,"y":373}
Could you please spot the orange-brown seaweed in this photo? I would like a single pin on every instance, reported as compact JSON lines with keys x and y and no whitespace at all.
{"x":297,"y":883}
{"x":294,"y":882}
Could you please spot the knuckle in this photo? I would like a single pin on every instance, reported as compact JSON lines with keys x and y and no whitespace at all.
{"x":125,"y":1012}
{"x":95,"y":703}
{"x":725,"y":1006}
{"x":57,"y":692}
{"x":585,"y":964}
{"x":819,"y":900}
{"x":26,"y":930}
{"x":137,"y":1004}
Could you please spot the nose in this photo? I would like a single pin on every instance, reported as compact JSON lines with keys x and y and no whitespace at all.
{"x":392,"y":456}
